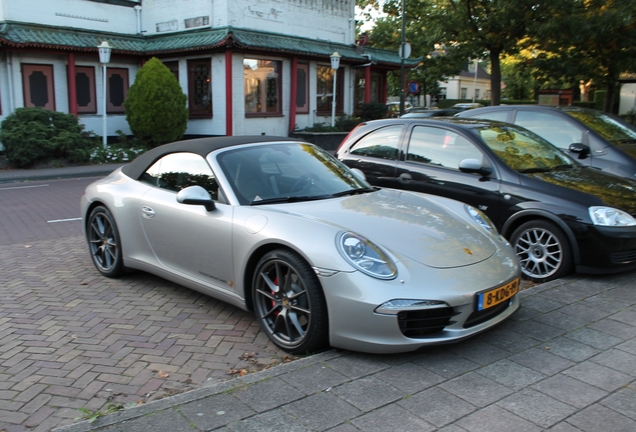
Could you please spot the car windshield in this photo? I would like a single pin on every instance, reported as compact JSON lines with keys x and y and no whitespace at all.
{"x":608,"y":127}
{"x":522,"y":150}
{"x":287,"y":172}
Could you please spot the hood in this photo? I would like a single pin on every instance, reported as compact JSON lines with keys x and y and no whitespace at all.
{"x":415,"y":226}
{"x":614,"y":191}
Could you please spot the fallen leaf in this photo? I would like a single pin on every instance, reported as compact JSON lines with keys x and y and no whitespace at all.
{"x":163,"y":374}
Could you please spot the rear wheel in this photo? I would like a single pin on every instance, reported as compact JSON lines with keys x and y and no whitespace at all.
{"x":104,"y":243}
{"x":543,"y":250}
{"x":289,"y":302}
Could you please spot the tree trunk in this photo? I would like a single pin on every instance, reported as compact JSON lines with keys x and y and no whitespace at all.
{"x":608,"y":103}
{"x":495,"y":77}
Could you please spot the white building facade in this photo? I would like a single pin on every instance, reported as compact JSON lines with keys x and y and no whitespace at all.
{"x":248,"y":66}
{"x":474,"y":82}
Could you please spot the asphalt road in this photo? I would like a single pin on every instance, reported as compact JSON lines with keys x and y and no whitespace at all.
{"x":32,"y":211}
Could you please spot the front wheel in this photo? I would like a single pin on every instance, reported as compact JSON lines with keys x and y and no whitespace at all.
{"x":104,"y":243}
{"x":289,"y":302}
{"x":543,"y":250}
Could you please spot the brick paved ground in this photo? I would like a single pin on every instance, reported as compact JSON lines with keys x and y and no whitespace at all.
{"x":70,"y":338}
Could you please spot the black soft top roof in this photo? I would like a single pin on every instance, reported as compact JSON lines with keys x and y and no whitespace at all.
{"x":200,"y":146}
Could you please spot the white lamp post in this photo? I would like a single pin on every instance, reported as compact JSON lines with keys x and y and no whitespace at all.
{"x":104,"y":59}
{"x":335,"y":64}
{"x":475,"y":81}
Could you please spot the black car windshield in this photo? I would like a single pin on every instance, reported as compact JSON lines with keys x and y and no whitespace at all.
{"x":522,"y":150}
{"x":608,"y":127}
{"x":286,"y":172}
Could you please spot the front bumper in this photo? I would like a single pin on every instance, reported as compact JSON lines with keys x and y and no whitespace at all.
{"x":606,"y":249}
{"x":352,"y":299}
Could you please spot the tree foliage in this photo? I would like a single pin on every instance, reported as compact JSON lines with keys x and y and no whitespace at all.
{"x":542,"y":43}
{"x":156,"y":106}
{"x":470,"y":29}
{"x":586,"y":40}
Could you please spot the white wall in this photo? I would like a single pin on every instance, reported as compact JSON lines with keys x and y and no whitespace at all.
{"x":72,"y":13}
{"x":330,"y":19}
{"x":454,"y":86}
{"x":627,"y":100}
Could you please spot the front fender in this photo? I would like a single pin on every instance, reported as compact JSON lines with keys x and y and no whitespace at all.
{"x":525,"y":215}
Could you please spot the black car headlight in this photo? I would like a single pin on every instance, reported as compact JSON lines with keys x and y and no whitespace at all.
{"x":609,"y":216}
{"x":366,"y":256}
{"x":481,"y":219}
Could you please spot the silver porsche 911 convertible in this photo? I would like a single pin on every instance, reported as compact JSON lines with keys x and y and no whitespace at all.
{"x":282,"y":228}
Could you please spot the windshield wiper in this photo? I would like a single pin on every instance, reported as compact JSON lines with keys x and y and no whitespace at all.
{"x":533,"y":170}
{"x":546,"y":169}
{"x":287,"y":199}
{"x":354,"y":191}
{"x":562,"y":167}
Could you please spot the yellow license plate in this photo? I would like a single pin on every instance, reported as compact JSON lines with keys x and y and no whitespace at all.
{"x":495,"y":296}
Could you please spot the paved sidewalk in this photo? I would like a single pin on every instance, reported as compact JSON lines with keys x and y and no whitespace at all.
{"x":565,"y":362}
{"x":18,"y":175}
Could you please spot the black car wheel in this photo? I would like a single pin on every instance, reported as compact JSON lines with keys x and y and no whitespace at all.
{"x":543,"y":250}
{"x":104,"y":243}
{"x":289,"y":302}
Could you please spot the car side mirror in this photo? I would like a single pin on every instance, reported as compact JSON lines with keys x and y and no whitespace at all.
{"x":474,"y":166}
{"x":196,"y":195}
{"x":580,"y":149}
{"x":358,"y":172}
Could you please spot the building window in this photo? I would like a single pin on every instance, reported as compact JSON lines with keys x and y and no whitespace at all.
{"x":116,"y":89}
{"x":476,"y":93}
{"x":463,"y":93}
{"x":360,"y":87}
{"x":302,"y":89}
{"x":262,"y":86}
{"x":324,"y":89}
{"x":200,"y":88}
{"x":37,"y":81}
{"x":85,"y":89}
{"x":174,"y":68}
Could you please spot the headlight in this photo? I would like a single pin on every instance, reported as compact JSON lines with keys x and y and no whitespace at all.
{"x":608,"y":216}
{"x":366,"y":257}
{"x":483,"y":220}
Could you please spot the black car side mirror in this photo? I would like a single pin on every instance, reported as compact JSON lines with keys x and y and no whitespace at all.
{"x":473,"y":166}
{"x":196,"y":195}
{"x":580,"y":149}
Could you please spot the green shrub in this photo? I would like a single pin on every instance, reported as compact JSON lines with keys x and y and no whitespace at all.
{"x":33,"y":135}
{"x":629,"y":117}
{"x":346,"y":123}
{"x":372,"y":111}
{"x":156,"y":106}
{"x":599,"y":99}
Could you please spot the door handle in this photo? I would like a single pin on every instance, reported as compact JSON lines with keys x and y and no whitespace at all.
{"x":405,"y":178}
{"x":147,"y":212}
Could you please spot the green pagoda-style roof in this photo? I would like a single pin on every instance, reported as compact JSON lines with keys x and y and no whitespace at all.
{"x":24,"y":35}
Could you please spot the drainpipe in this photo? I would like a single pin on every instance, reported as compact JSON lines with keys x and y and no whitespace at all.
{"x":138,"y":11}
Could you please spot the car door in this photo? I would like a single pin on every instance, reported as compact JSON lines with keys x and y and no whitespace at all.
{"x":187,"y":239}
{"x":431,"y":165}
{"x":376,"y":155}
{"x":560,"y":131}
